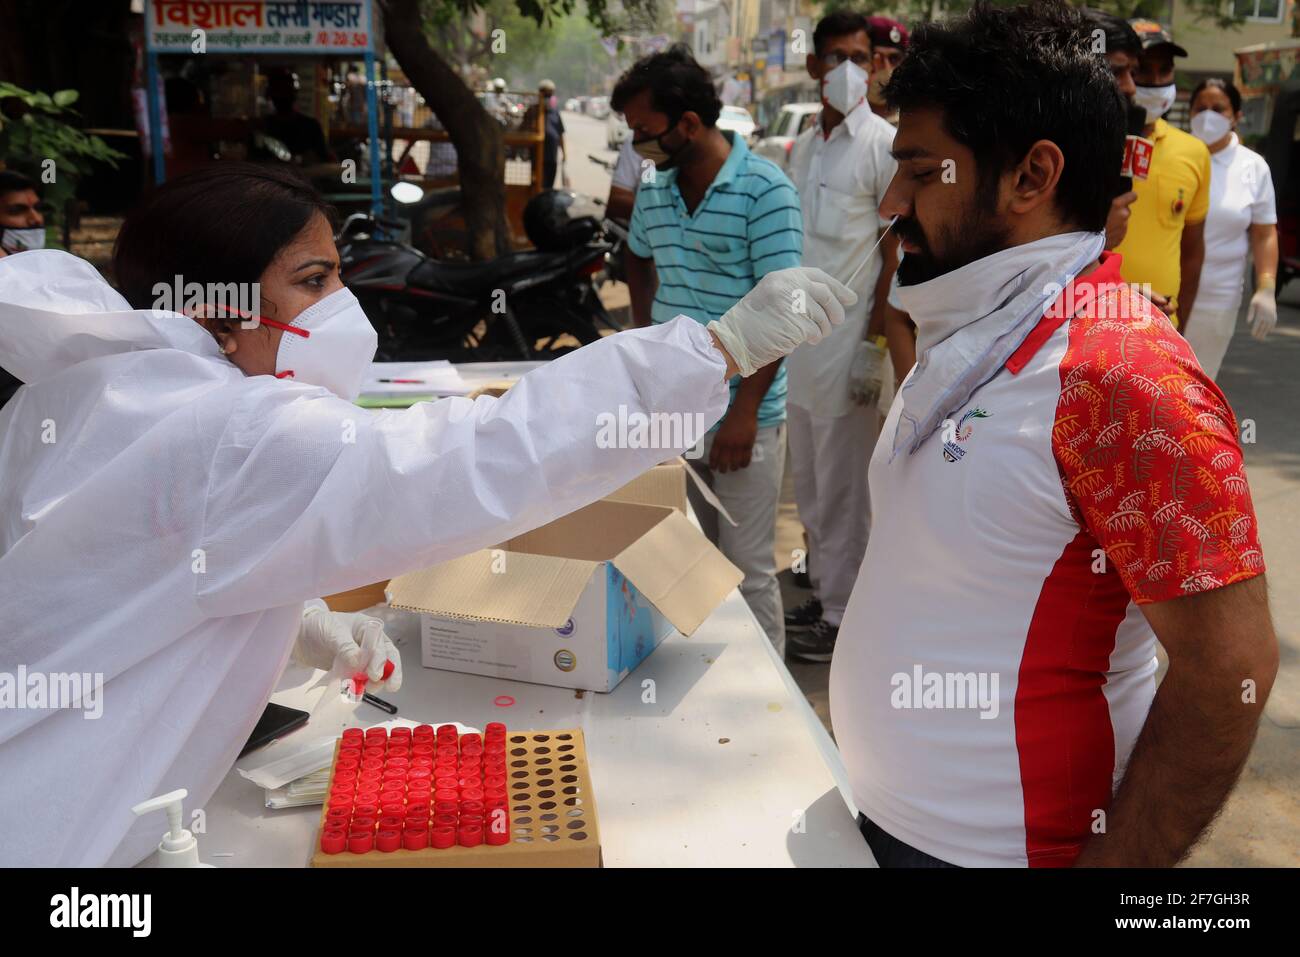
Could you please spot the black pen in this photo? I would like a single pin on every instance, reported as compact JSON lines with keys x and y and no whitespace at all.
{"x":379,"y":703}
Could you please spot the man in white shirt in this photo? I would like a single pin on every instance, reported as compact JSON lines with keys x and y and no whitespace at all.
{"x":624,"y":181}
{"x":841,"y":167}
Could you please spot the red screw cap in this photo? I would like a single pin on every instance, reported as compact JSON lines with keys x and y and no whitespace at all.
{"x":389,"y":840}
{"x":471,"y":835}
{"x":361,"y":842}
{"x":442,"y":836}
{"x":334,"y":840}
{"x":415,"y":838}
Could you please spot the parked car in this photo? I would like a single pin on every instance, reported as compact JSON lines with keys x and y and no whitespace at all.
{"x":616,"y":131}
{"x":737,"y":120}
{"x":776,"y":142}
{"x":572,"y":105}
{"x":598,"y":106}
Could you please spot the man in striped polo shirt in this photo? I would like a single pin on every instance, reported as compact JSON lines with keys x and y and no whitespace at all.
{"x":712,"y":221}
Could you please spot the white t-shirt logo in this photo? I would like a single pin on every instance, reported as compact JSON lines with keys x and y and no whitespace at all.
{"x":957,"y":432}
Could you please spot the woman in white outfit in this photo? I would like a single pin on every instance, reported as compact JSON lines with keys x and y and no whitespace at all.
{"x":179,"y":482}
{"x":1242,"y":218}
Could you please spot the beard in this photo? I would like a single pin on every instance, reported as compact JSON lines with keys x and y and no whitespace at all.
{"x":976,"y":234}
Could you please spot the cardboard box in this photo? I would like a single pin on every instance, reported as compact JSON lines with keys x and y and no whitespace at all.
{"x":358,"y":599}
{"x":496,"y":388}
{"x":577,"y":603}
{"x":662,"y":485}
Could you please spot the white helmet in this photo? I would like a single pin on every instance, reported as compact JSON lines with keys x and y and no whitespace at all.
{"x":499,"y":85}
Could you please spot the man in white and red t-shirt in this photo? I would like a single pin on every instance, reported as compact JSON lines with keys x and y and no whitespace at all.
{"x":1058,"y":486}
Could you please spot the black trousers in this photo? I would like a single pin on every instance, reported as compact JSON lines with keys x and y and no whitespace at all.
{"x":889,"y":851}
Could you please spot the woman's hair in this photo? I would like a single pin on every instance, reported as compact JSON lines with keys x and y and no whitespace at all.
{"x":1214,"y":83}
{"x":222,"y":223}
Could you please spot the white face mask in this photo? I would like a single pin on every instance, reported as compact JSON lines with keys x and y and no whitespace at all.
{"x":1210,"y":127}
{"x":338,"y":349}
{"x":845,"y":86}
{"x":1156,"y":100}
{"x":20,"y":240}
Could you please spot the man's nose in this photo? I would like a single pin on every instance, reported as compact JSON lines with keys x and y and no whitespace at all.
{"x":895,"y":202}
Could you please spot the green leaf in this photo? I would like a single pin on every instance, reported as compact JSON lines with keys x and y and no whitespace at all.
{"x":66,"y":97}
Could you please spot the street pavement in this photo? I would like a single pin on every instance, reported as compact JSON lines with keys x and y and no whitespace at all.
{"x":584,"y":135}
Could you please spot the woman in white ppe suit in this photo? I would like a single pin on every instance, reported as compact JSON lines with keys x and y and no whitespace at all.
{"x":176,"y":488}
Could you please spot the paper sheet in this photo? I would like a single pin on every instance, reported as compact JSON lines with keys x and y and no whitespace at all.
{"x":434,"y":377}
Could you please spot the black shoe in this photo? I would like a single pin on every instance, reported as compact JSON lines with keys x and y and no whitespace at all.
{"x":805,"y":616}
{"x":816,"y":645}
{"x":802,"y":580}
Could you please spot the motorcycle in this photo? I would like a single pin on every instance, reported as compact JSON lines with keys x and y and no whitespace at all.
{"x":535,"y":304}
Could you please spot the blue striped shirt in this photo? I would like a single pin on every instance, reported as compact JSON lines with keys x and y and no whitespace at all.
{"x":748,"y":224}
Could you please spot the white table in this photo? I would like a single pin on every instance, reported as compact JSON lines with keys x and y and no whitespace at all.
{"x":728,"y":767}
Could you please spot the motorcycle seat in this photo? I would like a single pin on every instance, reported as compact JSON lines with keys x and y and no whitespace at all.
{"x":471,"y":279}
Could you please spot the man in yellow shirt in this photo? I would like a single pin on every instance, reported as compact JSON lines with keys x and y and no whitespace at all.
{"x":1165,"y":244}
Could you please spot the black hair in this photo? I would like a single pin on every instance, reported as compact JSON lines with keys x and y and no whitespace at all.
{"x":1233,"y":94}
{"x":1119,"y":34}
{"x":676,"y":84}
{"x":221,"y":223}
{"x":1006,"y":77}
{"x":12,"y":181}
{"x":841,"y":23}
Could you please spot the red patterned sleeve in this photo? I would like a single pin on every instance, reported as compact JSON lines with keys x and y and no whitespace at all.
{"x":1148,"y":453}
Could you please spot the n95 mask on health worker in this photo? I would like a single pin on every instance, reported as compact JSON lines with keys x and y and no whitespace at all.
{"x":1210,"y":127}
{"x":330,"y":344}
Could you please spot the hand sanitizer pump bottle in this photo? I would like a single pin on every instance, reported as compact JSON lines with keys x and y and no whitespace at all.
{"x":178,"y":848}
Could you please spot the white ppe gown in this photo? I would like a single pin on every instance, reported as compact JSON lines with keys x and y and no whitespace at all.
{"x":163,"y":517}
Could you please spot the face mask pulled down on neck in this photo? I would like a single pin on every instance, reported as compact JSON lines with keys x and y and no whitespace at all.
{"x":1209,"y":126}
{"x":844,"y":87}
{"x":20,"y":240}
{"x":330,"y":344}
{"x":1156,"y":100}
